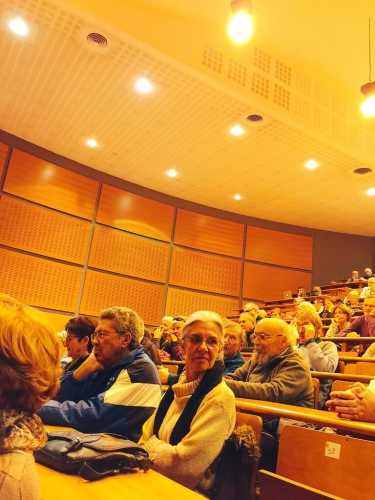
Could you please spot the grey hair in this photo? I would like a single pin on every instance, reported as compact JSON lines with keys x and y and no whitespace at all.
{"x":232,"y":325}
{"x":126,"y":320}
{"x":205,"y":317}
{"x":251,"y":305}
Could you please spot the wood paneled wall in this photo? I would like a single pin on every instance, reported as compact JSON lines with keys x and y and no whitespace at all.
{"x":70,"y":244}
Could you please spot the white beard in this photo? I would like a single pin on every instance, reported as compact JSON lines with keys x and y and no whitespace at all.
{"x":261,"y":358}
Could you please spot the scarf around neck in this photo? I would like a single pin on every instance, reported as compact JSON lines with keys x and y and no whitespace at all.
{"x":211,"y":379}
{"x":20,"y":431}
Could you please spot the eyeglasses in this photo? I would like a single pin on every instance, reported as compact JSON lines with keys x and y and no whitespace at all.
{"x":100,"y":334}
{"x":262,"y":336}
{"x":178,"y":318}
{"x":195,"y":340}
{"x":69,"y":338}
{"x":231,"y":339}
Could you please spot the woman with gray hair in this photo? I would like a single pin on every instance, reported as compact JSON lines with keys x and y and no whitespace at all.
{"x":321,"y":355}
{"x":197,"y":414}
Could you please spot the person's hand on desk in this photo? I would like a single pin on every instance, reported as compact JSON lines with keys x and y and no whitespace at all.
{"x":358,"y":403}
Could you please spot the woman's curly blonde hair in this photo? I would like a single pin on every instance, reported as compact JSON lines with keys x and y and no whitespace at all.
{"x":30,"y":354}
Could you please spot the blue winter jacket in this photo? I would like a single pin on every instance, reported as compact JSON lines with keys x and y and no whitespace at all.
{"x":118,"y":400}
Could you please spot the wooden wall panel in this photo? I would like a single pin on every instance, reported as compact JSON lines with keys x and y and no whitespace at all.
{"x":104,"y":290}
{"x":123,"y":253}
{"x":274,"y":247}
{"x":47,"y":184}
{"x":136,"y":214}
{"x":209,"y":233}
{"x":207,"y":272}
{"x":43,"y":231}
{"x":39,"y":282}
{"x":269,"y":283}
{"x":183,"y":302}
{"x":3,"y":154}
{"x":58,"y":320}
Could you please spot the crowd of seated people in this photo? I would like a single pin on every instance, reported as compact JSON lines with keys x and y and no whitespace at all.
{"x":113,"y":381}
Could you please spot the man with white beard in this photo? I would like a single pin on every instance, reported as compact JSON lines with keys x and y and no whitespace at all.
{"x":275,"y":372}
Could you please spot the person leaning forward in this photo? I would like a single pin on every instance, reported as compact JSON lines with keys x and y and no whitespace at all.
{"x":116,"y":389}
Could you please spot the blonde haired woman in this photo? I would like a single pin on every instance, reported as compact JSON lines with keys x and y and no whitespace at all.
{"x":30,"y":353}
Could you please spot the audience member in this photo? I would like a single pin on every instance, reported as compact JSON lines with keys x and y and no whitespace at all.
{"x":368,"y":290}
{"x":354,"y":277}
{"x":252,"y":309}
{"x":30,"y":353}
{"x":276,"y":313}
{"x":262,"y":313}
{"x":340,"y":320}
{"x":315,"y":291}
{"x":78,"y":340}
{"x":370,"y":352}
{"x":276,"y":372}
{"x":197,"y":414}
{"x":150,"y":348}
{"x":357,"y":403}
{"x":326,"y":311}
{"x":320,"y":355}
{"x":301,"y":292}
{"x":247,"y":322}
{"x":352,"y":300}
{"x":364,"y":325}
{"x":116,"y":389}
{"x":367,"y":273}
{"x":234,"y":339}
{"x":160,"y":333}
{"x":292,"y":314}
{"x":172,"y":348}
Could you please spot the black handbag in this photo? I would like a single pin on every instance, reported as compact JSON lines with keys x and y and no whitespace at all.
{"x":92,"y":456}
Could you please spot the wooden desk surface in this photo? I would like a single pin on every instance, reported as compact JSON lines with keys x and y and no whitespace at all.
{"x":320,"y":417}
{"x":133,"y":486}
{"x":351,"y":377}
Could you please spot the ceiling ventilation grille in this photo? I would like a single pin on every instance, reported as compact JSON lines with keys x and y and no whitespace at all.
{"x":213,"y":59}
{"x":237,"y":72}
{"x":97,"y":39}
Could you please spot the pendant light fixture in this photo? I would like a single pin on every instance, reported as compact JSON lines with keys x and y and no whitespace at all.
{"x":368,"y":89}
{"x":241,"y":27}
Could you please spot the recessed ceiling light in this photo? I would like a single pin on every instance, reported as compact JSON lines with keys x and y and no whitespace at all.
{"x":311,"y":164}
{"x":371,"y":192}
{"x":18,"y":26}
{"x":144,"y":86}
{"x":172,"y":172}
{"x":92,"y":143}
{"x":237,"y":130}
{"x":237,"y":197}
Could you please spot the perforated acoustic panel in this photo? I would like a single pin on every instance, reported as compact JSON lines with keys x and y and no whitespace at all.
{"x":127,"y":254}
{"x":183,"y":302}
{"x":139,"y":215}
{"x":276,"y":247}
{"x":3,"y":153}
{"x":269,"y":283}
{"x":202,"y":271}
{"x":36,"y":180}
{"x":104,"y":290}
{"x":208,"y":233}
{"x":39,"y":282}
{"x":42,"y":231}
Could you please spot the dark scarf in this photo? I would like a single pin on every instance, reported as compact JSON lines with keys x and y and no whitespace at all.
{"x":211,"y":379}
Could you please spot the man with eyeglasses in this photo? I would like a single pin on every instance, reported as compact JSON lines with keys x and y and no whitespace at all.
{"x":247,"y":322}
{"x":276,"y":373}
{"x":116,"y":389}
{"x":364,"y":326}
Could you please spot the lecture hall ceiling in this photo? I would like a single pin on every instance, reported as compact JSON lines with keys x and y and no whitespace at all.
{"x":301,"y":71}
